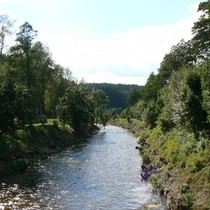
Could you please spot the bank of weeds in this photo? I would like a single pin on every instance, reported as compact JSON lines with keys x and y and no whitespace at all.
{"x":184,"y":177}
{"x":22,"y":147}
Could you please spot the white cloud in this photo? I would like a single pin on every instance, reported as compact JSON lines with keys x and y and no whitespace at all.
{"x":127,"y":57}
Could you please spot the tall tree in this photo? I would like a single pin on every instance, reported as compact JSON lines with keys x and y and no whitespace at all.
{"x":6,"y":25}
{"x":133,"y":96}
{"x":42,"y":65}
{"x":183,"y":101}
{"x":7,"y":98}
{"x":55,"y":89}
{"x":201,"y":32}
{"x":25,"y":40}
{"x":151,"y":88}
{"x":100,"y":101}
{"x":179,"y":56}
{"x":75,"y":107}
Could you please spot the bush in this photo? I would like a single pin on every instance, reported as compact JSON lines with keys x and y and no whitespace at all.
{"x":172,"y":150}
{"x":184,"y":188}
{"x":206,"y":172}
{"x":186,"y":200}
{"x":4,"y":149}
{"x":23,"y":135}
{"x":146,"y":158}
{"x":194,"y":163}
{"x":157,"y":182}
{"x":17,"y":166}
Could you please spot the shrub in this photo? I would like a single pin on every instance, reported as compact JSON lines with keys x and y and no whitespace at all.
{"x":186,"y":200}
{"x":172,"y":150}
{"x":206,"y":172}
{"x":184,"y":188}
{"x":17,"y":165}
{"x":157,"y":182}
{"x":194,"y":162}
{"x":4,"y":149}
{"x":23,"y":135}
{"x":146,"y":158}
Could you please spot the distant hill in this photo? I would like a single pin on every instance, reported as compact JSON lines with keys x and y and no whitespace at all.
{"x":117,"y":93}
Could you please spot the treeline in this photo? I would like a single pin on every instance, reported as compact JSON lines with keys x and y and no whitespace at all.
{"x":120,"y":95}
{"x":175,"y":106}
{"x":42,"y":108}
{"x":33,"y":87}
{"x":179,"y":94}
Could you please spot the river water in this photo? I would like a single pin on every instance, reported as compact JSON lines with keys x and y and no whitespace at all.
{"x":103,"y":173}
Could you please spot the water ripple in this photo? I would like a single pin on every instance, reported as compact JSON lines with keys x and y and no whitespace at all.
{"x":103,"y":173}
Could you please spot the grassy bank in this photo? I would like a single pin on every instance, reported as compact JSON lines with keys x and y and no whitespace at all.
{"x":22,"y":147}
{"x":184,"y":176}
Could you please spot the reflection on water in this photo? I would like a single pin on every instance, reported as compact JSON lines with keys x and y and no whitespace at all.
{"x":102,"y":173}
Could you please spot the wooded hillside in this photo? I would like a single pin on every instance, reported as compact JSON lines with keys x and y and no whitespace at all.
{"x":118,"y":93}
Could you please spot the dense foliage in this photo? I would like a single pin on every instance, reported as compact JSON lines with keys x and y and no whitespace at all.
{"x":120,"y":95}
{"x":178,"y":95}
{"x":175,"y":106}
{"x":33,"y":87}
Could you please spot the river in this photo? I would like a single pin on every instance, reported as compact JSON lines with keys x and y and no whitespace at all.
{"x":103,"y":173}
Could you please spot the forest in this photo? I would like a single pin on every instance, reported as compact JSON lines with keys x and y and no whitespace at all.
{"x":120,"y":95}
{"x":39,"y":99}
{"x":34,"y":88}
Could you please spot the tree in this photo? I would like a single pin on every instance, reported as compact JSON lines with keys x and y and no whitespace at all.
{"x":100,"y":101}
{"x":205,"y":85}
{"x":6,"y":25}
{"x":201,"y":32}
{"x":133,"y":96}
{"x":21,"y":57}
{"x":42,"y":65}
{"x":25,"y":39}
{"x":150,"y":90}
{"x":55,"y":89}
{"x":180,"y":55}
{"x":183,"y":102}
{"x":117,"y":93}
{"x":75,"y":108}
{"x":21,"y":104}
{"x":7,"y":98}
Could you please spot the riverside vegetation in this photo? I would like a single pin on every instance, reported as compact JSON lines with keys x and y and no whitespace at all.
{"x":33,"y":88}
{"x":25,"y":146}
{"x":172,"y":120}
{"x":183,"y":167}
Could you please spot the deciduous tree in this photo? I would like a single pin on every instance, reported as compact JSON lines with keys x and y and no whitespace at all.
{"x":201,"y":32}
{"x":100,"y":101}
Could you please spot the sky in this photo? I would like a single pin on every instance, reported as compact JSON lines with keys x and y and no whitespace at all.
{"x":113,"y":41}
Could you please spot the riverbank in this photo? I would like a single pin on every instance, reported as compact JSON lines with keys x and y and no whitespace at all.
{"x":100,"y":173}
{"x":183,"y":174}
{"x":23,"y":147}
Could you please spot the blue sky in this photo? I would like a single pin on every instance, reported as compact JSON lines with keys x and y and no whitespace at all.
{"x":117,"y":41}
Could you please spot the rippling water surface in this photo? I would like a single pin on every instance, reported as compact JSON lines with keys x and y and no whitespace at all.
{"x":102,"y":173}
